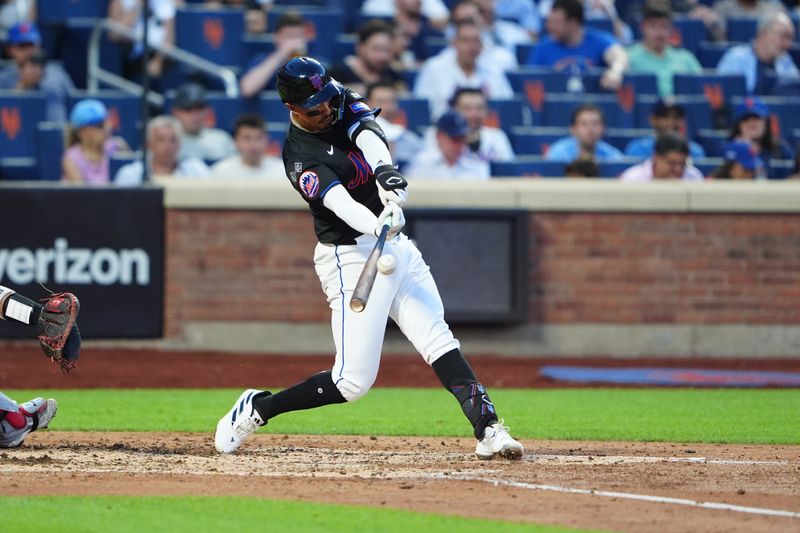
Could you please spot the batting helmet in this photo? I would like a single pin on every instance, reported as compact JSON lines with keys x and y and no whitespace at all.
{"x":303,"y":81}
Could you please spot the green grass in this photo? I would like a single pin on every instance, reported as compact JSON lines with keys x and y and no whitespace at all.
{"x":669,"y":415}
{"x":199,"y":514}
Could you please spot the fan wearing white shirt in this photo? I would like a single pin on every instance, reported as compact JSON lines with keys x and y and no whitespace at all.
{"x":251,"y":160}
{"x":490,"y":144}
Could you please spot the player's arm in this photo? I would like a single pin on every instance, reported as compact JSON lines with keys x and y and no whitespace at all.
{"x":357,"y":216}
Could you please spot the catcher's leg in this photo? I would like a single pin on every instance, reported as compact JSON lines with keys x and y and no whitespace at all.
{"x":15,"y":424}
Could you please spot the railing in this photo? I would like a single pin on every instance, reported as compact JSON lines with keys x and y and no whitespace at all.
{"x":97,"y":74}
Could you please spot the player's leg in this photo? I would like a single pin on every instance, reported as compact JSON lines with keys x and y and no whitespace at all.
{"x":358,"y":338}
{"x":17,"y":420}
{"x":419,"y":312}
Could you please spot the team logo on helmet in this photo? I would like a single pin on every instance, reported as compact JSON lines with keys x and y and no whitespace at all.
{"x":309,"y":183}
{"x":316,"y":81}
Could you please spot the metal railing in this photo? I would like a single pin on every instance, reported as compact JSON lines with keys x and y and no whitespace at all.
{"x":97,"y":74}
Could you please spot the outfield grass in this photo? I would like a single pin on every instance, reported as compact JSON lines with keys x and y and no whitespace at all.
{"x":195,"y":514}
{"x":668,"y":415}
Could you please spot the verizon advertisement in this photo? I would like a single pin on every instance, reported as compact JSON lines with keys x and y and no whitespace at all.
{"x":104,"y":245}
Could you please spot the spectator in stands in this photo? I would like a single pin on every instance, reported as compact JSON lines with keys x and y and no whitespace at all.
{"x":582,"y":167}
{"x":745,"y":9}
{"x":13,"y":12}
{"x":571,"y":46}
{"x":434,"y":11}
{"x":404,"y":144}
{"x":199,"y":141}
{"x":160,"y":32}
{"x":290,"y":39}
{"x":255,"y":12}
{"x":412,"y":31}
{"x":31,"y":71}
{"x":751,"y":125}
{"x":163,"y":143}
{"x":596,"y":9}
{"x":372,"y":61}
{"x":488,"y":143}
{"x":456,"y":67}
{"x":665,"y":117}
{"x":586,"y":139}
{"x":521,"y":12}
{"x":89,"y":145}
{"x":766,"y":59}
{"x":669,"y":161}
{"x":654,"y":55}
{"x":449,"y":157}
{"x":741,"y":163}
{"x":251,"y":161}
{"x":492,"y":53}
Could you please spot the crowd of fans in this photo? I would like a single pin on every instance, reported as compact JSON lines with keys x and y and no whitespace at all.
{"x":456,"y":55}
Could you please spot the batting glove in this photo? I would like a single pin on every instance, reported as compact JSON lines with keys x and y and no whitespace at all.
{"x":396,"y":222}
{"x":391,"y":185}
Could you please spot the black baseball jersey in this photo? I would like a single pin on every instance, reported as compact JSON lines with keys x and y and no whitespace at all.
{"x":317,"y":161}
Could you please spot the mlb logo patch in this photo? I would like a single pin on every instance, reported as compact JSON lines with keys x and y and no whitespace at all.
{"x":309,"y":184}
{"x":359,"y":107}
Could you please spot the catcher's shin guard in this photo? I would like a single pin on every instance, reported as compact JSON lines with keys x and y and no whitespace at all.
{"x":457,"y":376}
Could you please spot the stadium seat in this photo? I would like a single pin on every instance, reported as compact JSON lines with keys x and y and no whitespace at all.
{"x":712,"y":141}
{"x":528,"y":166}
{"x":507,"y":114}
{"x":707,"y":164}
{"x":272,"y":109}
{"x":618,"y":111}
{"x":741,"y":29}
{"x":620,"y":137}
{"x":689,"y":33}
{"x":529,"y":141}
{"x":534,"y":83}
{"x":214,"y":34}
{"x":324,"y":24}
{"x":709,"y":52}
{"x":717,"y":88}
{"x":603,"y":24}
{"x":223,"y":109}
{"x":641,"y":83}
{"x":18,"y":169}
{"x":49,"y":149}
{"x":56,"y":11}
{"x":417,"y":112}
{"x":780,"y":169}
{"x":277,"y":136}
{"x":612,"y":169}
{"x":124,"y":113}
{"x":20,"y":115}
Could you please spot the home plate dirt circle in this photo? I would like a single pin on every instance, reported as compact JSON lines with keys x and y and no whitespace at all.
{"x":604,"y":485}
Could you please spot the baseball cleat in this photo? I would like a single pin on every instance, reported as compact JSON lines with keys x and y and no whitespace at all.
{"x":240,"y":422}
{"x":31,"y":415}
{"x":498,"y":441}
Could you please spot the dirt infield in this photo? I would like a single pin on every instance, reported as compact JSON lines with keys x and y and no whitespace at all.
{"x":611,"y":486}
{"x":434,"y":475}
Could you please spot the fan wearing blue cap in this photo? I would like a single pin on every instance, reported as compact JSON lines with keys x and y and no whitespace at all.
{"x":741,"y":163}
{"x":449,"y":157}
{"x":29,"y":70}
{"x":90,"y":146}
{"x":753,"y":125}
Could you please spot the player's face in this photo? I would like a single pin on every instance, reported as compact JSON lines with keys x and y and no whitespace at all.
{"x":314,"y":119}
{"x":376,"y":52}
{"x":656,"y":32}
{"x":251,"y":144}
{"x":588,"y":128}
{"x":669,"y":166}
{"x":473,"y":107}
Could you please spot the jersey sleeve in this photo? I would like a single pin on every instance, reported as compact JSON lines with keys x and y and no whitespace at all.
{"x":313,"y":181}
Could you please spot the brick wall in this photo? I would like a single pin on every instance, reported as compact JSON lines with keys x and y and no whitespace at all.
{"x":624,"y":268}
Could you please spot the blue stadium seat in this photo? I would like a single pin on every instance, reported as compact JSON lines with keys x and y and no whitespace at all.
{"x":124,"y":113}
{"x":712,"y":141}
{"x":20,"y":115}
{"x":707,"y":164}
{"x":277,"y":136}
{"x":689,"y":33}
{"x":223,"y":110}
{"x":780,"y":169}
{"x":56,"y":11}
{"x":641,"y":83}
{"x":49,"y":149}
{"x":272,"y":109}
{"x":507,"y":114}
{"x":529,"y":141}
{"x":528,"y":166}
{"x":417,"y":111}
{"x":323,"y":23}
{"x":603,"y":24}
{"x":741,"y":29}
{"x":18,"y":169}
{"x":709,"y":53}
{"x":531,"y":81}
{"x":620,"y":137}
{"x":214,"y":34}
{"x":710,"y":84}
{"x":558,"y":109}
{"x":612,"y":169}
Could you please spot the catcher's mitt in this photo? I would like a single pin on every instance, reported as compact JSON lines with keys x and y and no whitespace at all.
{"x":57,"y":331}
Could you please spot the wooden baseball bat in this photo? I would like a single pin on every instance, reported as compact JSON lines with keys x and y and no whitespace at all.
{"x":367,"y":278}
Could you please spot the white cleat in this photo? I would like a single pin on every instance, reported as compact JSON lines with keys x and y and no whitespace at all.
{"x":240,"y":422}
{"x":498,"y":441}
{"x":30,"y":416}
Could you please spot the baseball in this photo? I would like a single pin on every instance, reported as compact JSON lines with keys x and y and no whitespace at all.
{"x":386,"y":264}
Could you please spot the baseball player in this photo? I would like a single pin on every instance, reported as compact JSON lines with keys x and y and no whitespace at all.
{"x":58,"y":335}
{"x":337,"y":158}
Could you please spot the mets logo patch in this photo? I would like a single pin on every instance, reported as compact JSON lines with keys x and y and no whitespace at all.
{"x":358,"y":107}
{"x":309,"y":184}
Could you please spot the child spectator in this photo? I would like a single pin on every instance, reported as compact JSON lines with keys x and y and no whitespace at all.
{"x":90,"y":146}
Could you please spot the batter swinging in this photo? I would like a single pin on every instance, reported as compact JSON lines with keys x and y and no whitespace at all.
{"x":337,"y":158}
